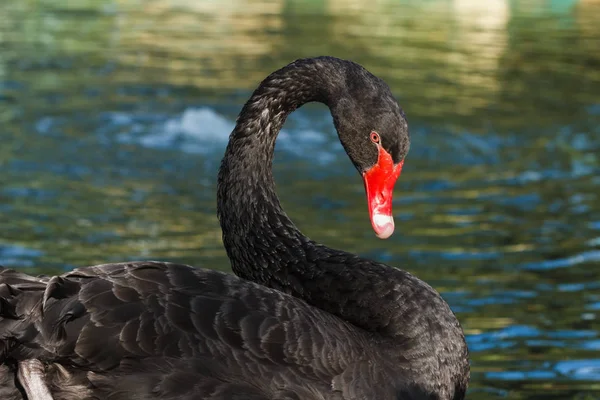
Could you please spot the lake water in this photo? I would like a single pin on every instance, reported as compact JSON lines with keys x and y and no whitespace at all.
{"x":114,"y":116}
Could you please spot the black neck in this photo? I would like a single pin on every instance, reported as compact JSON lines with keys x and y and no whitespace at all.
{"x":266,"y":247}
{"x":248,"y":208}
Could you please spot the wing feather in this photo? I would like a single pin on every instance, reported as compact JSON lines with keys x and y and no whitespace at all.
{"x":158,"y":330}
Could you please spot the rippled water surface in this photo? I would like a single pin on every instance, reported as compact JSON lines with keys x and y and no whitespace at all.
{"x":114,"y":116}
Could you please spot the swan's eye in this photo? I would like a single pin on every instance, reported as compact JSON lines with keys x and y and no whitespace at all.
{"x":375,"y":137}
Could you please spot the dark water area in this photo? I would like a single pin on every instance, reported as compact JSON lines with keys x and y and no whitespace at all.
{"x":114,"y":116}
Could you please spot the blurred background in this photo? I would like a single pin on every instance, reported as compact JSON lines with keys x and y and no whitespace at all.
{"x":114,"y":116}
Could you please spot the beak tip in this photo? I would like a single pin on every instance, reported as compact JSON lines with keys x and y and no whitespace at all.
{"x":383,"y":225}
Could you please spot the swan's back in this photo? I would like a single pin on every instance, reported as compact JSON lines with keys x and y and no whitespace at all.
{"x":153,"y":330}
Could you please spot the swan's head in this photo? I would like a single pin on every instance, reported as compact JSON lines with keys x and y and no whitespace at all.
{"x":374,"y":132}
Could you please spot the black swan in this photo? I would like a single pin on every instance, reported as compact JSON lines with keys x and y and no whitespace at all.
{"x":299,"y":321}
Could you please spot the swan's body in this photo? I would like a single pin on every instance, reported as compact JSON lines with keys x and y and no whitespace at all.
{"x":302,"y":321}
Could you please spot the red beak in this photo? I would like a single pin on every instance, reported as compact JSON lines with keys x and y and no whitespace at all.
{"x":379,"y":185}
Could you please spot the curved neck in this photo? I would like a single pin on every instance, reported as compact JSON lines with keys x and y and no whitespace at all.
{"x":251,"y":216}
{"x":264,"y":245}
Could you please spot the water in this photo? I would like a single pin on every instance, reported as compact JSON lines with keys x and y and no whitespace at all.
{"x":114,"y":116}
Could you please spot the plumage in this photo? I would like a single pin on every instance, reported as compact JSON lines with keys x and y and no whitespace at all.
{"x":299,"y":321}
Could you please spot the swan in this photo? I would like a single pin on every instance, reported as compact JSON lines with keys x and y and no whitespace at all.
{"x":298,"y":320}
